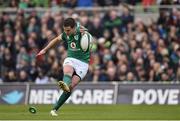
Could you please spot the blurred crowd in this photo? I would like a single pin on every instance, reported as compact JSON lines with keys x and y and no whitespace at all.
{"x":23,"y":4}
{"x":126,"y":49}
{"x":64,"y":3}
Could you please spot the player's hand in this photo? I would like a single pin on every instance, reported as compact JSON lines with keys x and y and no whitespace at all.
{"x":83,"y":29}
{"x":42,"y":52}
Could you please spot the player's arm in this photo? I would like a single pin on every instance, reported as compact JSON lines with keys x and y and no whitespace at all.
{"x":50,"y":45}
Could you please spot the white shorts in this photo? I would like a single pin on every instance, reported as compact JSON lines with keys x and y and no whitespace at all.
{"x":80,"y":67}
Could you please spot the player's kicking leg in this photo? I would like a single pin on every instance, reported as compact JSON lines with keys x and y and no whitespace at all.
{"x":65,"y":95}
{"x":65,"y":86}
{"x":68,"y":72}
{"x":69,"y":81}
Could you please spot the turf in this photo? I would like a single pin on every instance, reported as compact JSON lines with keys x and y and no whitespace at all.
{"x":92,"y":112}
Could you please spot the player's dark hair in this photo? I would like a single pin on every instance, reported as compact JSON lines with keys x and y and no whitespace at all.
{"x":69,"y":22}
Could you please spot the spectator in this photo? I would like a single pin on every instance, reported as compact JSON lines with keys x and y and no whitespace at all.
{"x":126,"y":19}
{"x":96,"y":28}
{"x":112,"y":20}
{"x":23,"y":76}
{"x":13,"y":4}
{"x":33,"y":71}
{"x":42,"y":77}
{"x":10,"y":76}
{"x":23,"y":4}
{"x":147,"y":3}
{"x":130,"y":77}
{"x":123,"y":70}
{"x":111,"y":73}
{"x":178,"y":74}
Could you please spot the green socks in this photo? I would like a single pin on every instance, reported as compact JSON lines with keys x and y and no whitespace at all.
{"x":65,"y":95}
{"x":67,"y":79}
{"x":62,"y":100}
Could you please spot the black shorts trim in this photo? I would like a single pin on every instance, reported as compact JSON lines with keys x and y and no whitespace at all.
{"x":76,"y":74}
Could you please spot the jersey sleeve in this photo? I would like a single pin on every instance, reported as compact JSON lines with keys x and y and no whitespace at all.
{"x":78,"y":26}
{"x":62,"y":36}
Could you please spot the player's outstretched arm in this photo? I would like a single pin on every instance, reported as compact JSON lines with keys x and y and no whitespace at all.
{"x":51,"y":44}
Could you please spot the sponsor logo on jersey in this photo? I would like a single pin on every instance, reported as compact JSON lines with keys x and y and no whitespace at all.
{"x":73,"y":45}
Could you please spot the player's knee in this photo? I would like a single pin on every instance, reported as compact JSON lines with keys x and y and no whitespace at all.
{"x":68,"y":74}
{"x":68,"y":69}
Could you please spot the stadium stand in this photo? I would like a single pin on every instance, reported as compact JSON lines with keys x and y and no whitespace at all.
{"x":126,"y":48}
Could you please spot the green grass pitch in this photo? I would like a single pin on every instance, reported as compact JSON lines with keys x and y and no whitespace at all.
{"x":92,"y":112}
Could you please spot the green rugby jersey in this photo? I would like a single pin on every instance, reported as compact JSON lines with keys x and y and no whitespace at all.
{"x":74,"y":47}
